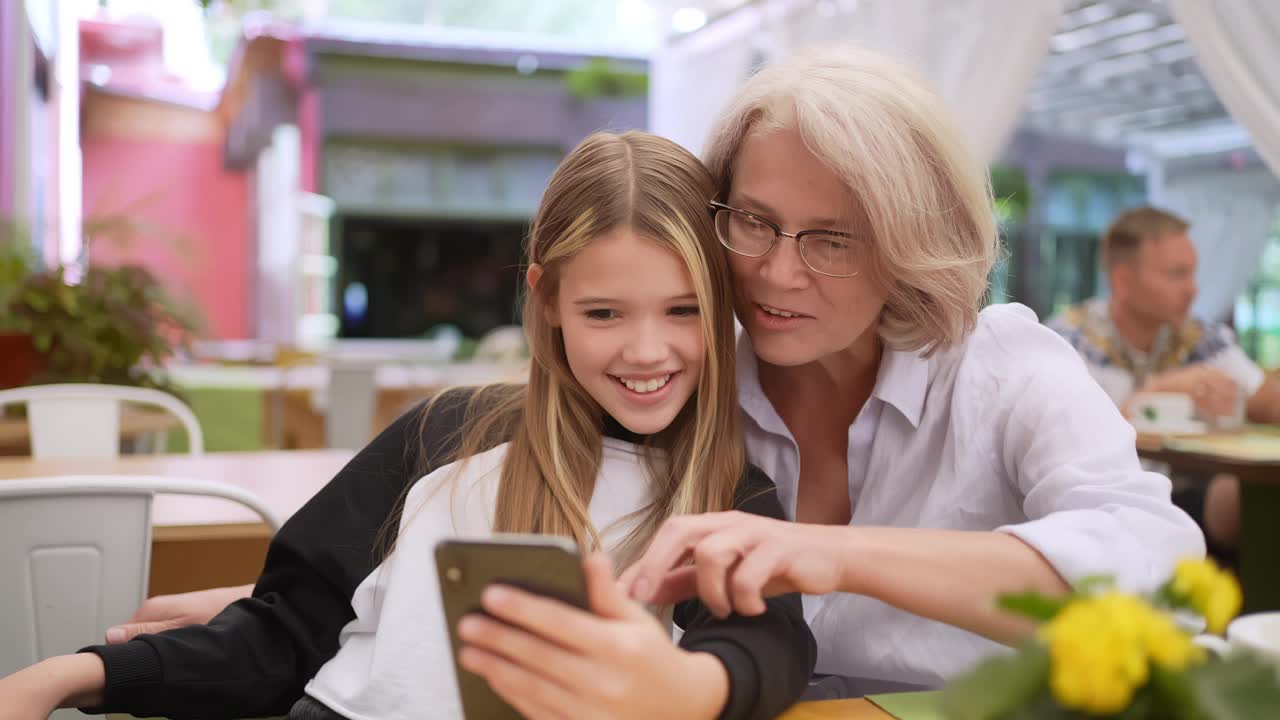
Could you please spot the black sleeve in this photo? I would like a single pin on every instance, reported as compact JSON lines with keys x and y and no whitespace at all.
{"x":253,"y":659}
{"x":769,"y":657}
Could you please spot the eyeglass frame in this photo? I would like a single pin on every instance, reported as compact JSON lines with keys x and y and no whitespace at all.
{"x":778,"y":233}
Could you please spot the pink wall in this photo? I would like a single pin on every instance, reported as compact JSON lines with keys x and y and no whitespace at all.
{"x":12,"y":23}
{"x":201,"y":246}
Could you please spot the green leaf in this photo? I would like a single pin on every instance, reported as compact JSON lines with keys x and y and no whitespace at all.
{"x":1032,"y":605}
{"x":1091,"y":584}
{"x":38,"y":302}
{"x":1236,"y":688}
{"x":1171,"y":696}
{"x":1168,"y":598}
{"x":999,"y":686}
{"x":66,"y":298}
{"x":1043,"y":707}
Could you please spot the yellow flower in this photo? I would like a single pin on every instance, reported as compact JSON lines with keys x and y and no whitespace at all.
{"x":1212,"y":592}
{"x":1222,"y":606}
{"x":1101,"y":648}
{"x":1096,"y":661}
{"x":1167,"y":645}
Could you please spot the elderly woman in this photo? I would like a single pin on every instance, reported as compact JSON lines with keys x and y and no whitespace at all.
{"x":932,"y":456}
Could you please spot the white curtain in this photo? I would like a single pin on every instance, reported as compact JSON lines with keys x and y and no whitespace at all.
{"x":981,"y":55}
{"x":1231,"y":213}
{"x":1237,"y":43}
{"x":692,"y":78}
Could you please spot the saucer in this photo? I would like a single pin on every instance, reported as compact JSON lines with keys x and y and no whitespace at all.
{"x":1186,"y":427}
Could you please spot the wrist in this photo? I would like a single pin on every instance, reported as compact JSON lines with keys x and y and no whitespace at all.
{"x":849,"y":546}
{"x":709,"y":680}
{"x":70,"y":681}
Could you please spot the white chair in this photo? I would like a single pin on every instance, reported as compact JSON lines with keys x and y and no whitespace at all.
{"x":75,"y":554}
{"x":352,"y":403}
{"x":83,"y":420}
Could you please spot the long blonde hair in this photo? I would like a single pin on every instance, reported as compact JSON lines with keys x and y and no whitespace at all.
{"x":660,"y":191}
{"x":924,"y":198}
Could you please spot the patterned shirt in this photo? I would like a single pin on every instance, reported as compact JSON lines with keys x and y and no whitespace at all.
{"x":1120,"y":368}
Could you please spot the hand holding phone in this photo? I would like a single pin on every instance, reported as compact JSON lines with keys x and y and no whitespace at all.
{"x":541,"y":564}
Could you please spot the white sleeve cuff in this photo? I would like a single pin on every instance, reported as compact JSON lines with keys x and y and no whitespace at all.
{"x":1138,"y":548}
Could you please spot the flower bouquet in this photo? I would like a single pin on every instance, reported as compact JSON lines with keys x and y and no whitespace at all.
{"x":1102,"y":653}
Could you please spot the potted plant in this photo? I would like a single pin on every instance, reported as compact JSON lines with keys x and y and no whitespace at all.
{"x":21,"y":361}
{"x":113,"y":324}
{"x":1102,"y":653}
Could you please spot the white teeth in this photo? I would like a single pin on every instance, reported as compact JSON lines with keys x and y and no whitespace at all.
{"x":779,"y":313}
{"x":645,"y":386}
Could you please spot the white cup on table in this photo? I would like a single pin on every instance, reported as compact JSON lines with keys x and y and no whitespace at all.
{"x":1164,"y":412}
{"x":1257,"y":634}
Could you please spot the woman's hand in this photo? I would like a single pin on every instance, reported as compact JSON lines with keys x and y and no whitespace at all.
{"x":551,"y":660}
{"x":1214,"y":393}
{"x":735,"y":560}
{"x":166,"y":612}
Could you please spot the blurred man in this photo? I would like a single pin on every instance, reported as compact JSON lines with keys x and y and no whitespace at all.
{"x":1143,"y":339}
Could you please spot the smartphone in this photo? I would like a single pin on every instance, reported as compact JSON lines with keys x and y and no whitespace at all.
{"x":541,"y":564}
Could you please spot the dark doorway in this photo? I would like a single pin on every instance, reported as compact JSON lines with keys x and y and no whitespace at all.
{"x":400,"y":278}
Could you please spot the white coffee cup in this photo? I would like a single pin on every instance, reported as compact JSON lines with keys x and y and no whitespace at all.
{"x":1157,"y":412}
{"x":1257,"y":634}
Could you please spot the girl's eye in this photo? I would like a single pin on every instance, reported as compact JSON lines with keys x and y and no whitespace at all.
{"x":601,"y":314}
{"x":685,"y":311}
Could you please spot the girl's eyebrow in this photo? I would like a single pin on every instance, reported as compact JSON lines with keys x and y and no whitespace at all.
{"x":614,"y":301}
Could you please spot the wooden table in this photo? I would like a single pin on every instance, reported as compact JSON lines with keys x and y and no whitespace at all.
{"x":1259,"y":502}
{"x":857,"y":709}
{"x":199,"y":542}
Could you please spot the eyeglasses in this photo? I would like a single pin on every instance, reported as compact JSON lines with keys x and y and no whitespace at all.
{"x":826,"y":252}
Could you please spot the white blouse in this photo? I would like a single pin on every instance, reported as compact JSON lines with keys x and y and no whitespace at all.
{"x":1006,"y":432}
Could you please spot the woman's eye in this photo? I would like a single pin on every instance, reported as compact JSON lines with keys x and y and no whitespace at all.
{"x":601,"y":314}
{"x":685,"y":311}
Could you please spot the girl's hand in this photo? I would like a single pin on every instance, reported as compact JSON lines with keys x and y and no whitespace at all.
{"x":20,"y":700}
{"x":64,"y":681}
{"x":551,"y":660}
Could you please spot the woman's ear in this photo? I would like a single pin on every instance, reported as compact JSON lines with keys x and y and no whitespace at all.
{"x":549,"y":312}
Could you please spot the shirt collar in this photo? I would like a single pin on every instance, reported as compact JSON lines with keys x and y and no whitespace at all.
{"x":902,"y":381}
{"x":750,"y":395}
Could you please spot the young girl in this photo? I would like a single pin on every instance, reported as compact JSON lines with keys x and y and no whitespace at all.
{"x":629,"y":417}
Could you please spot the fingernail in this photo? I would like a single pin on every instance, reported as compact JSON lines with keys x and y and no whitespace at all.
{"x":496,"y":595}
{"x":115,"y":635}
{"x":467,"y":626}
